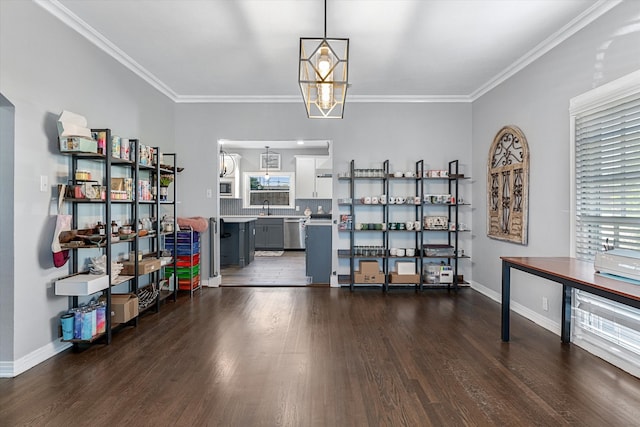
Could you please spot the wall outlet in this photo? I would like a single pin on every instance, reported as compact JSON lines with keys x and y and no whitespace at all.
{"x":297,"y":208}
{"x":545,"y":303}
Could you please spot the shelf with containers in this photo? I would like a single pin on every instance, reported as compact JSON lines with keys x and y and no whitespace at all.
{"x":364,"y":218}
{"x":404,"y":239}
{"x":397,"y":228}
{"x":106,"y":220}
{"x":95,"y":206}
{"x":443,"y":228}
{"x":185,"y":249}
{"x":158,"y":221}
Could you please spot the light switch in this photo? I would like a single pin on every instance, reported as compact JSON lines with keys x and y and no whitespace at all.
{"x":44,"y":183}
{"x":209,"y":193}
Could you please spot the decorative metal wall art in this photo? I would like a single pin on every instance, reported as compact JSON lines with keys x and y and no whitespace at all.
{"x":508,"y":186}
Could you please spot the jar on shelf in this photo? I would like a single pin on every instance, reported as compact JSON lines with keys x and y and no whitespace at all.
{"x":82,"y":175}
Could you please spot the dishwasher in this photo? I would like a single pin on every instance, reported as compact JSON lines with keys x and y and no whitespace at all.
{"x":294,"y":233}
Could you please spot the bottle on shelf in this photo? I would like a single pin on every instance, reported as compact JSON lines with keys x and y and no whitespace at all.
{"x":100,"y":228}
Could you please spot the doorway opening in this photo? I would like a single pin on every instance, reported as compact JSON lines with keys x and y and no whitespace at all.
{"x":309,"y":189}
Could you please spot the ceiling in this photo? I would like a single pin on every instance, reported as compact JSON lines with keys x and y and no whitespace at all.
{"x":401,"y":50}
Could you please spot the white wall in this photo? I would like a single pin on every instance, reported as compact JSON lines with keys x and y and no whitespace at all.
{"x":537,"y":100}
{"x":7,"y":235}
{"x":46,"y":67}
{"x":370,"y":133}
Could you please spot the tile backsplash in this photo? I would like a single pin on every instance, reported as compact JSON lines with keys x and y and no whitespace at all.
{"x":234,"y":207}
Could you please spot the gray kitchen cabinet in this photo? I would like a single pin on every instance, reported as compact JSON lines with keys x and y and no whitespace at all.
{"x":269,"y":234}
{"x":237,"y":242}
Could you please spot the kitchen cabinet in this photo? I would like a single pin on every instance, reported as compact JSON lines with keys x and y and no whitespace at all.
{"x":237,"y":242}
{"x":269,"y":234}
{"x":314,"y":177}
{"x":318,"y":252}
{"x":406,"y":222}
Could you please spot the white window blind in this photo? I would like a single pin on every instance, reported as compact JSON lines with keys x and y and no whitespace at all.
{"x":606,"y":143}
{"x":608,"y":178}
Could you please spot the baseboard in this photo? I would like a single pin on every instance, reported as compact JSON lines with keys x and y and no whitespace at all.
{"x":10,"y":369}
{"x":213,"y":282}
{"x":333,"y":281}
{"x":519,"y":308}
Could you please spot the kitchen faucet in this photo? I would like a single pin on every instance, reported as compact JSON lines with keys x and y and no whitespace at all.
{"x":268,"y":206}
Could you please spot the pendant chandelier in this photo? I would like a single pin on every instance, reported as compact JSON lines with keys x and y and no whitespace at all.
{"x":266,"y":173}
{"x":323,"y":74}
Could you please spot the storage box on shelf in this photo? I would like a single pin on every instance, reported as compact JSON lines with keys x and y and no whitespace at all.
{"x":409,"y":223}
{"x":185,"y":248}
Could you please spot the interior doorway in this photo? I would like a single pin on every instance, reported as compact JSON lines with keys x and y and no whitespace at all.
{"x":238,"y":164}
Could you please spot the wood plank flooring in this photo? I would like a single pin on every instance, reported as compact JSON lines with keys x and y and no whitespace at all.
{"x":285,"y":270}
{"x":241,"y":356}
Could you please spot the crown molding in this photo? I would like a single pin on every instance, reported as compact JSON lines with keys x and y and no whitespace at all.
{"x":581,"y":21}
{"x":283,"y":99}
{"x":72,"y":20}
{"x":87,"y":31}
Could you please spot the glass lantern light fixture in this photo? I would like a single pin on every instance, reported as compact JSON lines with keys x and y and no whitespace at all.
{"x":266,"y":172}
{"x":323,"y":74}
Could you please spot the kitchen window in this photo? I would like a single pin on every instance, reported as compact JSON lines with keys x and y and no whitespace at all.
{"x":278,"y":190}
{"x":605,"y":128}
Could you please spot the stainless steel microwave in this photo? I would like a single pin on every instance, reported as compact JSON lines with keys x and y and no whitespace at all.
{"x":226,"y":188}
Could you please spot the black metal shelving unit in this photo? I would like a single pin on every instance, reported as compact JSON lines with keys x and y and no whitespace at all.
{"x":349,"y":219}
{"x":155,"y":208}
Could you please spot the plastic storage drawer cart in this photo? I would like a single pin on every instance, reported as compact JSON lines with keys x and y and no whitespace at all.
{"x":187,"y":260}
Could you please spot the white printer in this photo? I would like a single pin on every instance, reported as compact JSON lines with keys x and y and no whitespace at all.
{"x":619,"y":262}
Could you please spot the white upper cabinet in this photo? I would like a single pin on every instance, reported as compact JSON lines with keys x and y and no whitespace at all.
{"x":313,"y":177}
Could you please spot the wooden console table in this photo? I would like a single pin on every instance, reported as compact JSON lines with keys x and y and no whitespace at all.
{"x":570,"y":273}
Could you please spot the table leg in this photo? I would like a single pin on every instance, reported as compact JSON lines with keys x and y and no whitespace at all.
{"x":565,"y":334}
{"x":506,"y":300}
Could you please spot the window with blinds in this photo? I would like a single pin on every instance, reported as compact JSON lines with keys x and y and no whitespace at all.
{"x":607,"y":157}
{"x":606,"y":200}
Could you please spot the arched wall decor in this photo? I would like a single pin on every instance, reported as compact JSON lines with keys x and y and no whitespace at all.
{"x":508,"y":186}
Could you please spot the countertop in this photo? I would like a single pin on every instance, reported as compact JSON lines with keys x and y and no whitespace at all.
{"x":238,"y":219}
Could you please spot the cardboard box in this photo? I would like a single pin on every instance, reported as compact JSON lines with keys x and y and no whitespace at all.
{"x":124,"y":307}
{"x":406,"y":267}
{"x":404,"y":278}
{"x":117,"y":184}
{"x":369,"y":267}
{"x":146,"y":266}
{"x":359,"y":277}
{"x":82,"y":284}
{"x":78,"y":144}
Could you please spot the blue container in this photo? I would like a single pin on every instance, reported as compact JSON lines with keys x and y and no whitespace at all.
{"x":67,"y":321}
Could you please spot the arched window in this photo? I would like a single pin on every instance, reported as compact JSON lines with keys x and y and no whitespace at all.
{"x":508,"y":186}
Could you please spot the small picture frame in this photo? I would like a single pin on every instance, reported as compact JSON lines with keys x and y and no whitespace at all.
{"x":273,"y":161}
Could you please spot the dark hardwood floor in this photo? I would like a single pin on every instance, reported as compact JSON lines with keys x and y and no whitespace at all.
{"x":285,"y":270}
{"x":241,"y":356}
